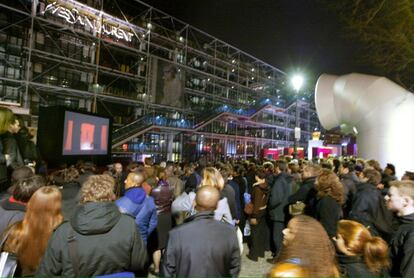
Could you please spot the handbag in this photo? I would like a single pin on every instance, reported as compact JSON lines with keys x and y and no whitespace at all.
{"x":8,"y":261}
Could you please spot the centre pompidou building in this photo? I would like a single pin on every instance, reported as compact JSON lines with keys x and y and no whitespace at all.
{"x":174,"y":91}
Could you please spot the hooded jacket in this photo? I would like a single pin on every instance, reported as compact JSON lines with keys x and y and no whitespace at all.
{"x":106,"y":242}
{"x":142,"y":207}
{"x":280,"y":191}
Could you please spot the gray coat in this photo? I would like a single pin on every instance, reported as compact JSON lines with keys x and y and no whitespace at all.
{"x":201,"y":247}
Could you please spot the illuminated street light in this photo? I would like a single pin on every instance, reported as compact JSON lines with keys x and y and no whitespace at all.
{"x":297,"y":82}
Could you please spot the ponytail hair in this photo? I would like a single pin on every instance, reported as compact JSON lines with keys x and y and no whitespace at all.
{"x":376,"y":255}
{"x":359,"y":241}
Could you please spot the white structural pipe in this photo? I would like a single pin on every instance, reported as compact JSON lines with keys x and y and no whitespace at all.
{"x":380,"y":112}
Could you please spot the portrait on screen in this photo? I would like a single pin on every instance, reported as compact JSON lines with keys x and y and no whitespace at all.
{"x":85,"y":134}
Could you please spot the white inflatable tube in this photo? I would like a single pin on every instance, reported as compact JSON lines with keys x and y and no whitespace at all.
{"x":380,"y":111}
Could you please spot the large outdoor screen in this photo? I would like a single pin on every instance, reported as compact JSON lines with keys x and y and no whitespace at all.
{"x":85,"y":134}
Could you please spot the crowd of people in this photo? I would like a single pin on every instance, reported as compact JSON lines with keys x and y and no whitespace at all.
{"x":324,"y":218}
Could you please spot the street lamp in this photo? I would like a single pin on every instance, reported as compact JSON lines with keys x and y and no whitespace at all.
{"x":297,"y":82}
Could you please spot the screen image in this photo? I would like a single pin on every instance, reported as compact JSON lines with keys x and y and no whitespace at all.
{"x":85,"y":135}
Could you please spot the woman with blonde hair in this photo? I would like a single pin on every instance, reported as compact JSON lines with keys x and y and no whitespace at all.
{"x":212,"y":177}
{"x":330,"y":197}
{"x":28,"y":239}
{"x":361,"y":254}
{"x":306,"y":242}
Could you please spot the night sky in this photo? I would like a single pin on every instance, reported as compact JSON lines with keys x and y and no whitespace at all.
{"x":293,"y":35}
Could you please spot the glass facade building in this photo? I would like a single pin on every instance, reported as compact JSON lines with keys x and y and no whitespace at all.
{"x":174,"y":91}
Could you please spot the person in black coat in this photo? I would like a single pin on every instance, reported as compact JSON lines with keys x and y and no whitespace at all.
{"x":214,"y":250}
{"x":400,"y":199}
{"x":330,"y":196}
{"x":307,"y":191}
{"x":349,"y":179}
{"x":195,"y":178}
{"x":229,"y":193}
{"x":70,"y":191}
{"x":9,"y":153}
{"x":367,"y":200}
{"x":3,"y":169}
{"x":11,"y":148}
{"x":280,"y":191}
{"x":107,"y":241}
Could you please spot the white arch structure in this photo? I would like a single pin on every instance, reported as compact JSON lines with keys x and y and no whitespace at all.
{"x":378,"y":110}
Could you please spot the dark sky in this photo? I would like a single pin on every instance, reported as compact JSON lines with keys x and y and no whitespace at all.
{"x":289,"y":34}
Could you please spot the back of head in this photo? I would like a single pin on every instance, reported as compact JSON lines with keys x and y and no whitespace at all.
{"x":207,"y":198}
{"x":132,"y":166}
{"x":358,"y":240}
{"x":134,"y":179}
{"x":239,"y":170}
{"x":98,"y":188}
{"x":88,"y":166}
{"x":372,"y":176}
{"x":374,"y":164}
{"x":212,"y":177}
{"x":328,"y":184}
{"x":21,"y":173}
{"x":45,"y":203}
{"x":312,"y":246}
{"x":70,"y":174}
{"x":349,"y":165}
{"x":282,"y":165}
{"x":288,"y":269}
{"x":312,"y":170}
{"x":24,"y":189}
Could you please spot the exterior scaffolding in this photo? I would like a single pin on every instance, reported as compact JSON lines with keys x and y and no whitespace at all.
{"x":109,"y":56}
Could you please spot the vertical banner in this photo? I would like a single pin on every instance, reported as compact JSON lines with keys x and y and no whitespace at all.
{"x":169,"y":85}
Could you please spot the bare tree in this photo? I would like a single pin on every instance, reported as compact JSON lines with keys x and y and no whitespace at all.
{"x":385,"y":29}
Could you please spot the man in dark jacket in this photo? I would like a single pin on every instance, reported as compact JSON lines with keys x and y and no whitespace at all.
{"x":367,"y":200}
{"x":400,"y":199}
{"x":307,"y":191}
{"x":280,"y":191}
{"x":11,"y":148}
{"x":102,"y":240}
{"x":349,"y":180}
{"x":214,"y":252}
{"x":195,"y":178}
